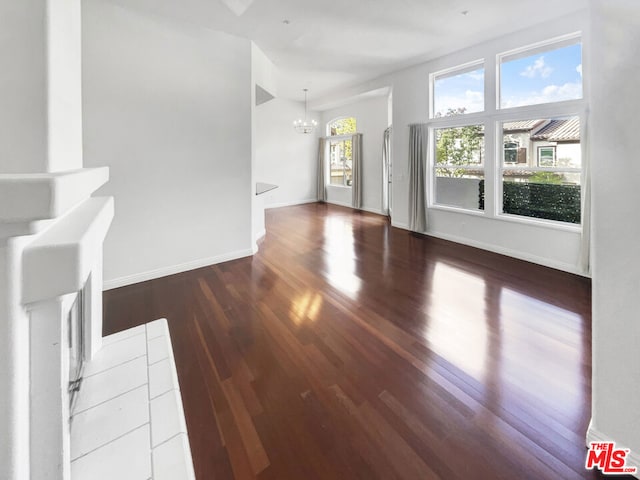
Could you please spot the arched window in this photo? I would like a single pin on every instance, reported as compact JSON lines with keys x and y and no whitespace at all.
{"x":341,"y":126}
{"x":339,"y":132}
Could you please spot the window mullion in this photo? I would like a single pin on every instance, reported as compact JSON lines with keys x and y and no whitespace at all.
{"x":491,"y":153}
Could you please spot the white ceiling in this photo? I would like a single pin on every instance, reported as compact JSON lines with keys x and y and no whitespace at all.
{"x":331,"y":44}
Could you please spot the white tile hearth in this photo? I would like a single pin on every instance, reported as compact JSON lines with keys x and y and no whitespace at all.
{"x":169,"y":459}
{"x":166,"y":417}
{"x":159,"y":349}
{"x":128,"y":421}
{"x":123,"y":335}
{"x":116,"y":381}
{"x":117,"y":353}
{"x":162,"y":378}
{"x":130,"y":464}
{"x":108,"y":421}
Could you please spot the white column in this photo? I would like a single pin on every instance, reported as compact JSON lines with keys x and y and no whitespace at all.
{"x":40,"y":132}
{"x":40,"y":60}
{"x":49,"y":415}
{"x":14,"y":366}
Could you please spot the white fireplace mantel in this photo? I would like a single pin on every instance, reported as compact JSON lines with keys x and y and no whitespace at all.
{"x":51,"y":239}
{"x":39,"y":196}
{"x":60,"y":260}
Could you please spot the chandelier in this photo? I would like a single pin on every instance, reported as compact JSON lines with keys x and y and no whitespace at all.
{"x":305,"y":126}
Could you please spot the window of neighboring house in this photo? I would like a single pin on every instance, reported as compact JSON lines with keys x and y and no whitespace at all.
{"x":511,"y":151}
{"x":340,"y":132}
{"x":533,"y":133}
{"x":458,"y":91}
{"x":547,"y":156}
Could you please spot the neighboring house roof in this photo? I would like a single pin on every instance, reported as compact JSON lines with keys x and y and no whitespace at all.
{"x":521,"y":126}
{"x":560,"y":131}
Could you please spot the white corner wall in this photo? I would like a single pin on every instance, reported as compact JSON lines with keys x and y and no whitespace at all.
{"x":371,"y":120}
{"x":613,"y":136}
{"x":167,"y":107}
{"x":283,"y":156}
{"x":263,"y":71}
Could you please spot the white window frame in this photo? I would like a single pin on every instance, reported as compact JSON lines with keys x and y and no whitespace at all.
{"x":492,"y":117}
{"x":451,"y":72}
{"x":337,"y":138}
{"x":454,"y":121}
{"x":554,"y":157}
{"x":461,"y":121}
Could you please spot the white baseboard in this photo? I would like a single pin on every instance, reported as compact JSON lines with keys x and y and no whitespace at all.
{"x":173,"y":269}
{"x":340,"y":204}
{"x":403,"y":226}
{"x":500,"y":250}
{"x":545,"y":262}
{"x":364,"y":209}
{"x":374,"y":210}
{"x":593,"y":435}
{"x":291,"y":204}
{"x":259,"y":236}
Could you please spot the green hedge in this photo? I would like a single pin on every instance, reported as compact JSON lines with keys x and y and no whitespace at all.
{"x":539,"y":200}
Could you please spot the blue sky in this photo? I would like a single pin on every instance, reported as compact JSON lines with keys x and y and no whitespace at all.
{"x":463,"y":90}
{"x":545,"y":77}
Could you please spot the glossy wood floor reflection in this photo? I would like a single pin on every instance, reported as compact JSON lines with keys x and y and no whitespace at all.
{"x":348,"y":349}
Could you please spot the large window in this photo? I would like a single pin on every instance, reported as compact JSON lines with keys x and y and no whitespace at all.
{"x":519,"y":155}
{"x":545,"y":74}
{"x":339,"y":132}
{"x":458,"y":165}
{"x":546,"y":184}
{"x":458,"y":91}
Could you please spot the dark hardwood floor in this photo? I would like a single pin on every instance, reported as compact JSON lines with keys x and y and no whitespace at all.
{"x":348,"y":349}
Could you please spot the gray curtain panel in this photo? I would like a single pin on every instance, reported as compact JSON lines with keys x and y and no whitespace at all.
{"x":356,"y":184}
{"x":386,"y":166}
{"x":322,"y":175}
{"x":418,"y":137}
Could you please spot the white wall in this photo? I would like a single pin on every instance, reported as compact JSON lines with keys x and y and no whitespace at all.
{"x":263,"y":71}
{"x":613,"y":135}
{"x":283,"y":156}
{"x":557,"y":247}
{"x":40,"y":118}
{"x":263,"y":74}
{"x":167,"y":107}
{"x":371,"y":120}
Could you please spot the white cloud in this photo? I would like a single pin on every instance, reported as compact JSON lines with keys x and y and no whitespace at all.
{"x":538,"y":68}
{"x":472,"y":100}
{"x":550,"y":93}
{"x":474,"y":97}
{"x":476,"y":75}
{"x":579,"y":69}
